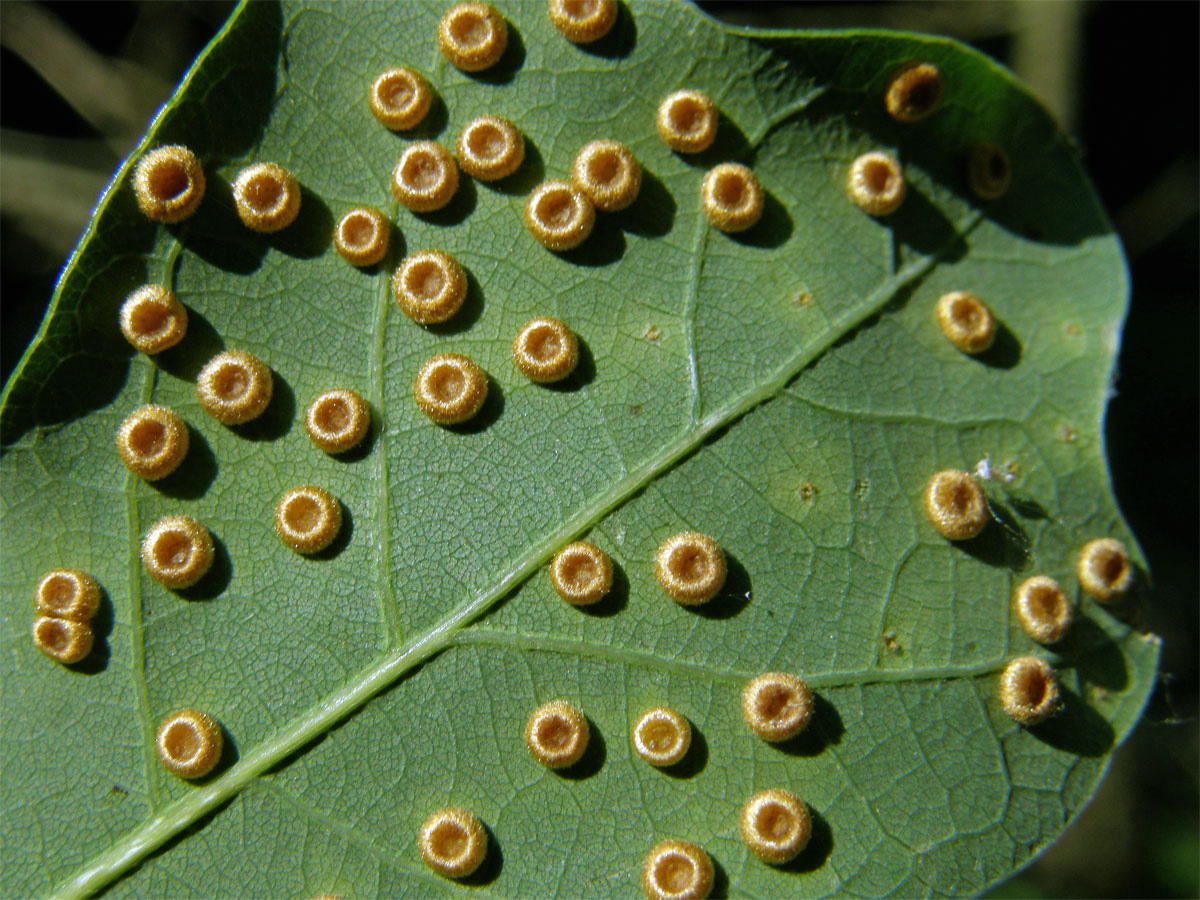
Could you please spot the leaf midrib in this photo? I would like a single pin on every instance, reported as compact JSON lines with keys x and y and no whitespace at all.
{"x":395,"y":664}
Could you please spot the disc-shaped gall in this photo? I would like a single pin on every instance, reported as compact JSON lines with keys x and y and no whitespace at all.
{"x":876,"y":184}
{"x":169,"y":184}
{"x":400,"y":98}
{"x":63,"y":640}
{"x":966,"y":321}
{"x":189,"y":743}
{"x":732,"y":198}
{"x":662,"y":737}
{"x":583,"y":21}
{"x":677,"y":870}
{"x":152,"y":442}
{"x":153,"y":319}
{"x":557,"y":734}
{"x":914,"y":92}
{"x":425,"y":178}
{"x":956,"y":505}
{"x":1105,"y":570}
{"x":308,"y":519}
{"x":988,"y":171}
{"x":235,"y":387}
{"x":67,"y":594}
{"x":546,"y":350}
{"x":337,"y":420}
{"x":362,"y":236}
{"x":608,"y":173}
{"x":430,"y":286}
{"x":267,"y":197}
{"x":177,"y":552}
{"x":581,"y":573}
{"x":777,"y":706}
{"x":1043,"y":609}
{"x":776,"y":826}
{"x":687,"y":121}
{"x":490,"y":148}
{"x":453,"y":842}
{"x":559,"y":215}
{"x":473,"y":36}
{"x":1029,"y":690}
{"x":690,"y":567}
{"x":450,"y":388}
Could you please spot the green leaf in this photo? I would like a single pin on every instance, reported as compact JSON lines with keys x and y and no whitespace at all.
{"x":786,"y":391}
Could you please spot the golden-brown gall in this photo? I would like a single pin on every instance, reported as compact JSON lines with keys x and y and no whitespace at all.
{"x":732,"y":197}
{"x":690,"y":567}
{"x":546,"y":350}
{"x":152,"y":442}
{"x":1043,"y":609}
{"x":490,"y":148}
{"x":914,"y":92}
{"x":581,"y":573}
{"x":559,"y":215}
{"x":608,"y":173}
{"x":153,"y":319}
{"x":876,"y":184}
{"x":1029,"y":690}
{"x":177,"y":552}
{"x":956,"y":505}
{"x":450,"y":388}
{"x":63,"y":640}
{"x":169,"y":184}
{"x":67,"y":594}
{"x":677,"y":870}
{"x":1105,"y":570}
{"x":988,"y":171}
{"x":662,"y":737}
{"x":453,"y":842}
{"x":776,"y":826}
{"x":425,"y":178}
{"x":966,"y":321}
{"x":189,"y":743}
{"x":430,"y":286}
{"x":267,"y":197}
{"x":362,"y":236}
{"x":583,"y":21}
{"x":557,"y":734}
{"x":337,"y":420}
{"x":687,"y":121}
{"x":235,"y":387}
{"x":400,"y":98}
{"x":308,"y":519}
{"x":473,"y":36}
{"x":777,"y":706}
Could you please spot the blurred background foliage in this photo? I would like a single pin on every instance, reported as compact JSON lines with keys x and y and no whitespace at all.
{"x":80,"y":82}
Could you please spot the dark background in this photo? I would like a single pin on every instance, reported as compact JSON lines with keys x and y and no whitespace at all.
{"x":79,"y":82}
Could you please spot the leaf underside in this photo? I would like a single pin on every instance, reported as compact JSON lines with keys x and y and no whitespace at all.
{"x":786,"y":391}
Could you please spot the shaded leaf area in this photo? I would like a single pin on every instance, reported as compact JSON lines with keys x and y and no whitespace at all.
{"x":786,"y":391}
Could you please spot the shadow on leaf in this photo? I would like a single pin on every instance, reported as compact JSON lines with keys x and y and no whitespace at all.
{"x":1096,"y":656}
{"x":216,"y":580}
{"x":620,"y":40}
{"x":1077,"y":729}
{"x":824,"y":730}
{"x":277,"y":419}
{"x":614,"y":601}
{"x":102,"y":625}
{"x":195,"y":474}
{"x":592,"y":760}
{"x":732,"y":598}
{"x":187,"y":358}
